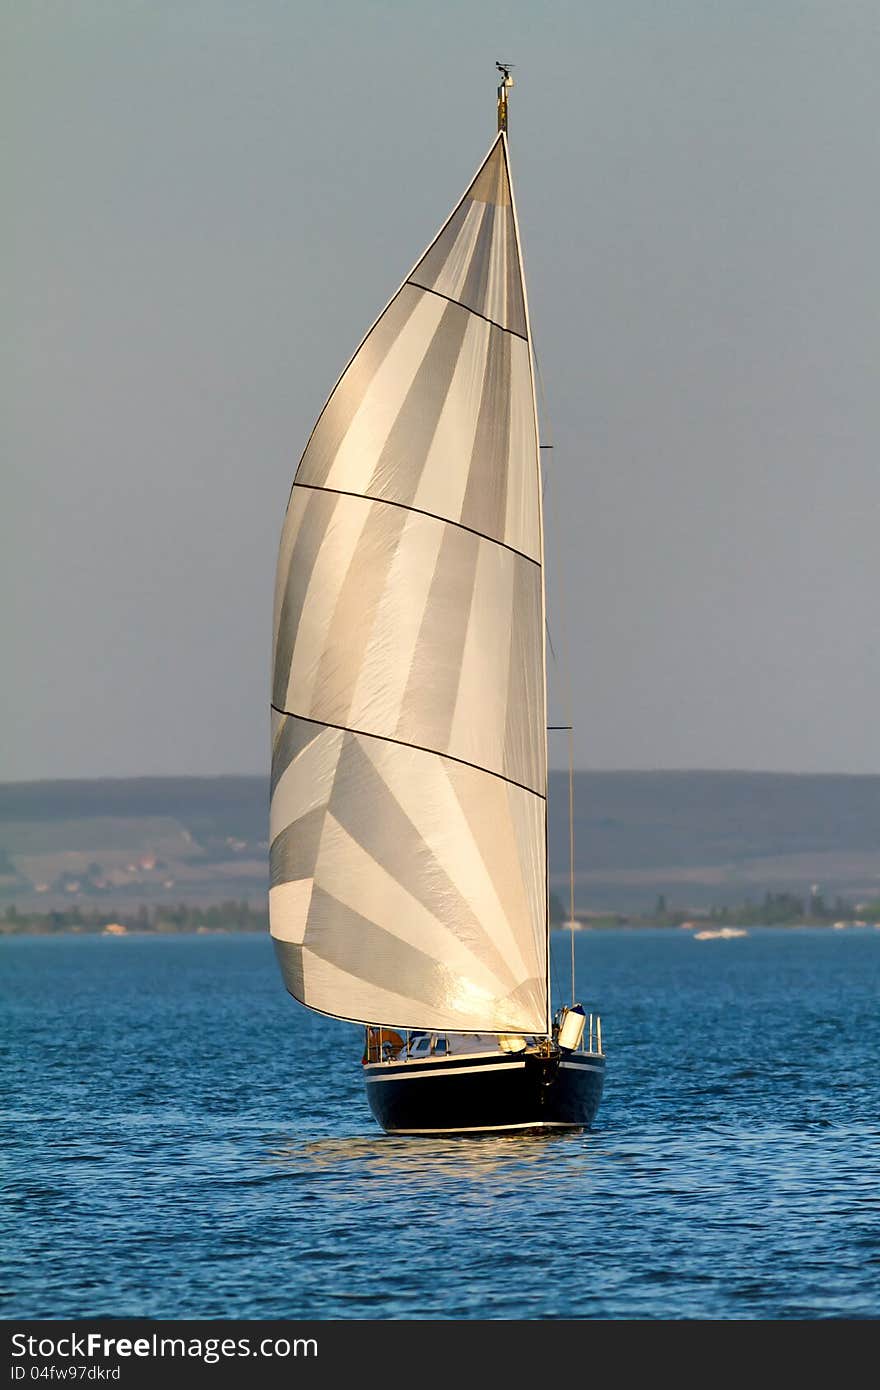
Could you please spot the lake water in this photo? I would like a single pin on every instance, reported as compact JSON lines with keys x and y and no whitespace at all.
{"x":183,"y":1140}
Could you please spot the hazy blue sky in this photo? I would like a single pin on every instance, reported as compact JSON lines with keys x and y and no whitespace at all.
{"x":211,"y":199}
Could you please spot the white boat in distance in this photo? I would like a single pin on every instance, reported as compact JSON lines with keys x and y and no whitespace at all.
{"x":720,"y":934}
{"x":408,"y":850}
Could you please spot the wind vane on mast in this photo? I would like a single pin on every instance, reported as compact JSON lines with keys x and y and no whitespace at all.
{"x":503,"y":87}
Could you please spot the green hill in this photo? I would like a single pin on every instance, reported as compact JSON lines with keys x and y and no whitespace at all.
{"x":699,"y":838}
{"x":706,"y":838}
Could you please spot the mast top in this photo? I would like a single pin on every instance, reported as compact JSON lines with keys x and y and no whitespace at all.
{"x":503,"y":88}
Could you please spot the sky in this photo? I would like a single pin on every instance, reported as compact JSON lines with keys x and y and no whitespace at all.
{"x":209,"y":202}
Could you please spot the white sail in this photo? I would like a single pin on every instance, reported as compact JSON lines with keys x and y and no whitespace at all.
{"x":407,"y":837}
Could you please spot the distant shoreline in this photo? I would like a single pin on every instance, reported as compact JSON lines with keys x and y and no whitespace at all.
{"x":651,"y":847}
{"x":690,"y":928}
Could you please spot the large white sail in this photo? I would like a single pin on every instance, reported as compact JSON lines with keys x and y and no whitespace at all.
{"x":407,"y":836}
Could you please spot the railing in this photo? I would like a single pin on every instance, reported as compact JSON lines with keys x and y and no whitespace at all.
{"x":385,"y":1045}
{"x":593,"y":1031}
{"x":382,"y":1044}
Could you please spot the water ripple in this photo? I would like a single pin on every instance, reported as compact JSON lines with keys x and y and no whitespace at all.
{"x":184,"y":1141}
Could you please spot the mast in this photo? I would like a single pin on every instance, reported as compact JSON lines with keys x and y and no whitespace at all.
{"x":504,"y":87}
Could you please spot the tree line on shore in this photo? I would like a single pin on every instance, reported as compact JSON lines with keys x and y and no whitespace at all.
{"x":775,"y":909}
{"x":163,"y":919}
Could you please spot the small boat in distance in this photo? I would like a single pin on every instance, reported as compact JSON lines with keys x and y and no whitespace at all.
{"x":408,"y":820}
{"x":720,"y":934}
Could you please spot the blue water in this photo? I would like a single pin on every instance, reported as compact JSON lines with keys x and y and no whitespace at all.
{"x":183,"y":1140}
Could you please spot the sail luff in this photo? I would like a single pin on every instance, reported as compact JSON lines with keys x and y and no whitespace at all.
{"x":408,"y":841}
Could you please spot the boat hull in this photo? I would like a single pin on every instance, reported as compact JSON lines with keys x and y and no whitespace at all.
{"x":486,"y":1094}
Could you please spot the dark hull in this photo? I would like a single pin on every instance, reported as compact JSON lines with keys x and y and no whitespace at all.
{"x":492,"y":1092}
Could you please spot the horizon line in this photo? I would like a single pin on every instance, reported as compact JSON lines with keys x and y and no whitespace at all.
{"x":558,"y":771}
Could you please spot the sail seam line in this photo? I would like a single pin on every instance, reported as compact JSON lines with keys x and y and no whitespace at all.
{"x":420,"y":748}
{"x":468,"y":310}
{"x":419,"y":511}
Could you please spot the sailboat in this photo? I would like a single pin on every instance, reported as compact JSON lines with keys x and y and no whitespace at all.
{"x":408,"y":816}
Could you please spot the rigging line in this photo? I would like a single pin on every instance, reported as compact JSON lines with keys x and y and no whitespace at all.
{"x":563,"y":667}
{"x":399,"y":742}
{"x":571,"y":849}
{"x":554,"y":973}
